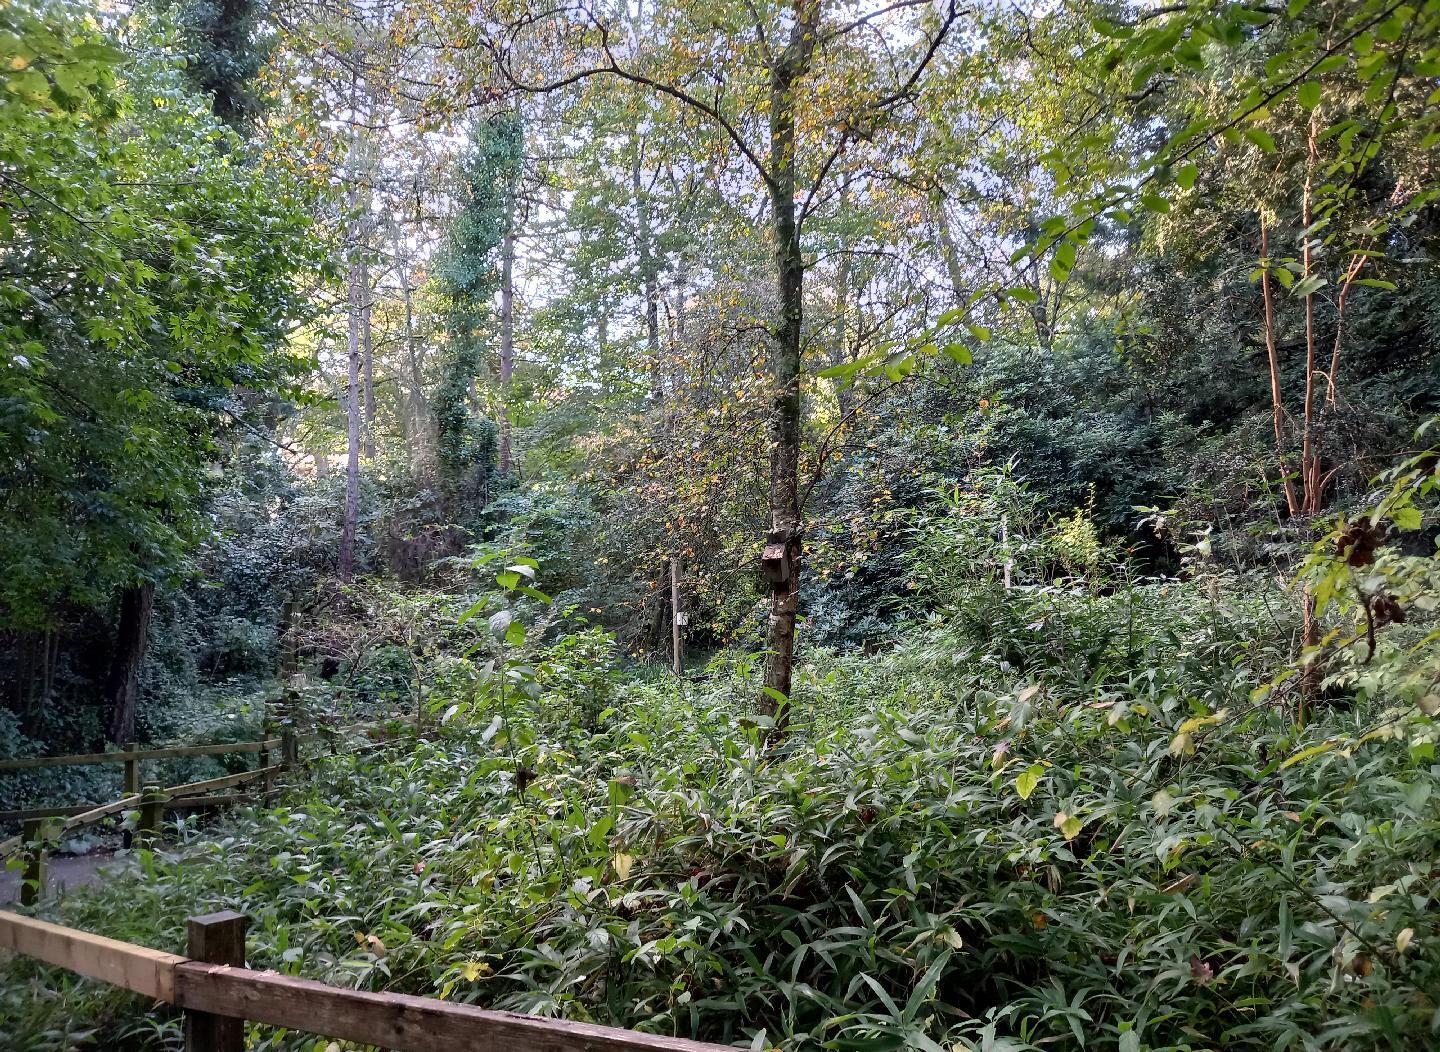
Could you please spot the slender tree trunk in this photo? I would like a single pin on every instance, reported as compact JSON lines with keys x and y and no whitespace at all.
{"x":352,"y":435}
{"x":645,"y":249}
{"x":682,"y":293}
{"x":1309,"y":453}
{"x":507,"y":338}
{"x":122,"y":685}
{"x":1312,"y":671}
{"x":419,"y":408}
{"x":785,"y":412}
{"x":1351,"y":273}
{"x":840,"y":351}
{"x":949,"y":252}
{"x":368,"y":342}
{"x":1277,"y":400}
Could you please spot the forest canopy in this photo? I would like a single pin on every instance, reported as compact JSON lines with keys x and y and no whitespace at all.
{"x":868,"y":525}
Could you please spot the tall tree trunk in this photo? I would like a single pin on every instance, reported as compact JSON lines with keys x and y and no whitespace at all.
{"x":1277,"y":401}
{"x":785,"y":412}
{"x":507,"y":337}
{"x":650,"y":280}
{"x":840,"y":351}
{"x":682,"y":294}
{"x":368,"y":342}
{"x":1313,"y":488}
{"x":949,"y":252}
{"x":122,"y":685}
{"x":352,"y":434}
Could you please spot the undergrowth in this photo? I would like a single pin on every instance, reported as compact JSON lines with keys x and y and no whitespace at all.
{"x":1074,"y":829}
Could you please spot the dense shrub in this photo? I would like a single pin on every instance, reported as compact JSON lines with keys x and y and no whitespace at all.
{"x":971,"y":840}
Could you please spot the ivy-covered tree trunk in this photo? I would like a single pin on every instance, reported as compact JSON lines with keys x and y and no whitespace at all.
{"x":122,"y":685}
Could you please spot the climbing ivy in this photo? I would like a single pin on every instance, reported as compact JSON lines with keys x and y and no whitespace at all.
{"x":468,"y":277}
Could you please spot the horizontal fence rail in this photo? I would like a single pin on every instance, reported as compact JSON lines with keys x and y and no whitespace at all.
{"x":216,"y":991}
{"x":176,"y":753}
{"x":40,"y":832}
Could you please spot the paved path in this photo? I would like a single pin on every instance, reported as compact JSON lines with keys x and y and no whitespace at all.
{"x":66,"y":871}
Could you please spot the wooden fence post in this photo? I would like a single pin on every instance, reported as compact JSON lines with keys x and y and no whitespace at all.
{"x":36,"y":835}
{"x":152,"y":815}
{"x":132,"y":786}
{"x":678,"y":620}
{"x":265,"y":779}
{"x":216,"y":938}
{"x":289,"y":749}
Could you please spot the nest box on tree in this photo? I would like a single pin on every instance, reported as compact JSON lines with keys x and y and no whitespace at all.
{"x":775,"y":559}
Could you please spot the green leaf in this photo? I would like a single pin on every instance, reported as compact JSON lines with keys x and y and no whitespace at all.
{"x":1185,"y":177}
{"x":1028,"y":779}
{"x":959,"y":353}
{"x":1309,"y":94}
{"x":1021,"y":293}
{"x":1407,"y":518}
{"x":1261,"y":138}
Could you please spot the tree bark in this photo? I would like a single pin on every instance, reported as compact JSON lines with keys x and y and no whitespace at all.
{"x":368,"y":342}
{"x":507,"y":339}
{"x":1277,"y":401}
{"x":949,"y":251}
{"x":352,"y":435}
{"x":650,"y":281}
{"x":122,"y":685}
{"x":792,"y":65}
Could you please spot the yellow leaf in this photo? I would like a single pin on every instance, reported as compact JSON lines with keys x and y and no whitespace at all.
{"x":621,"y":863}
{"x":376,"y":946}
{"x":1402,"y":941}
{"x":1068,"y":825}
{"x":1305,"y":754}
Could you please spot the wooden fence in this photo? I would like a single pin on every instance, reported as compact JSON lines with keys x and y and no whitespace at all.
{"x":39,"y":830}
{"x":218,"y":993}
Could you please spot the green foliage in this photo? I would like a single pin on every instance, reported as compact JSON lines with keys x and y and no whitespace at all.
{"x":130,"y":314}
{"x":225,"y":51}
{"x":1375,"y":577}
{"x":950,"y":851}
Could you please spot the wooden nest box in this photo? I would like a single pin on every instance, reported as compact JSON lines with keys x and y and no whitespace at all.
{"x":775,"y":559}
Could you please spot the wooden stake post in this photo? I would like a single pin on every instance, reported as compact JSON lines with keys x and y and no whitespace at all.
{"x":132,"y":786}
{"x":677,"y":617}
{"x":152,"y":815}
{"x":216,"y":938}
{"x":37,"y":866}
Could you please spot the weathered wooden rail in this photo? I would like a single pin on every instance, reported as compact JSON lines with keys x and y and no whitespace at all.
{"x":218,"y":993}
{"x":39,"y":830}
